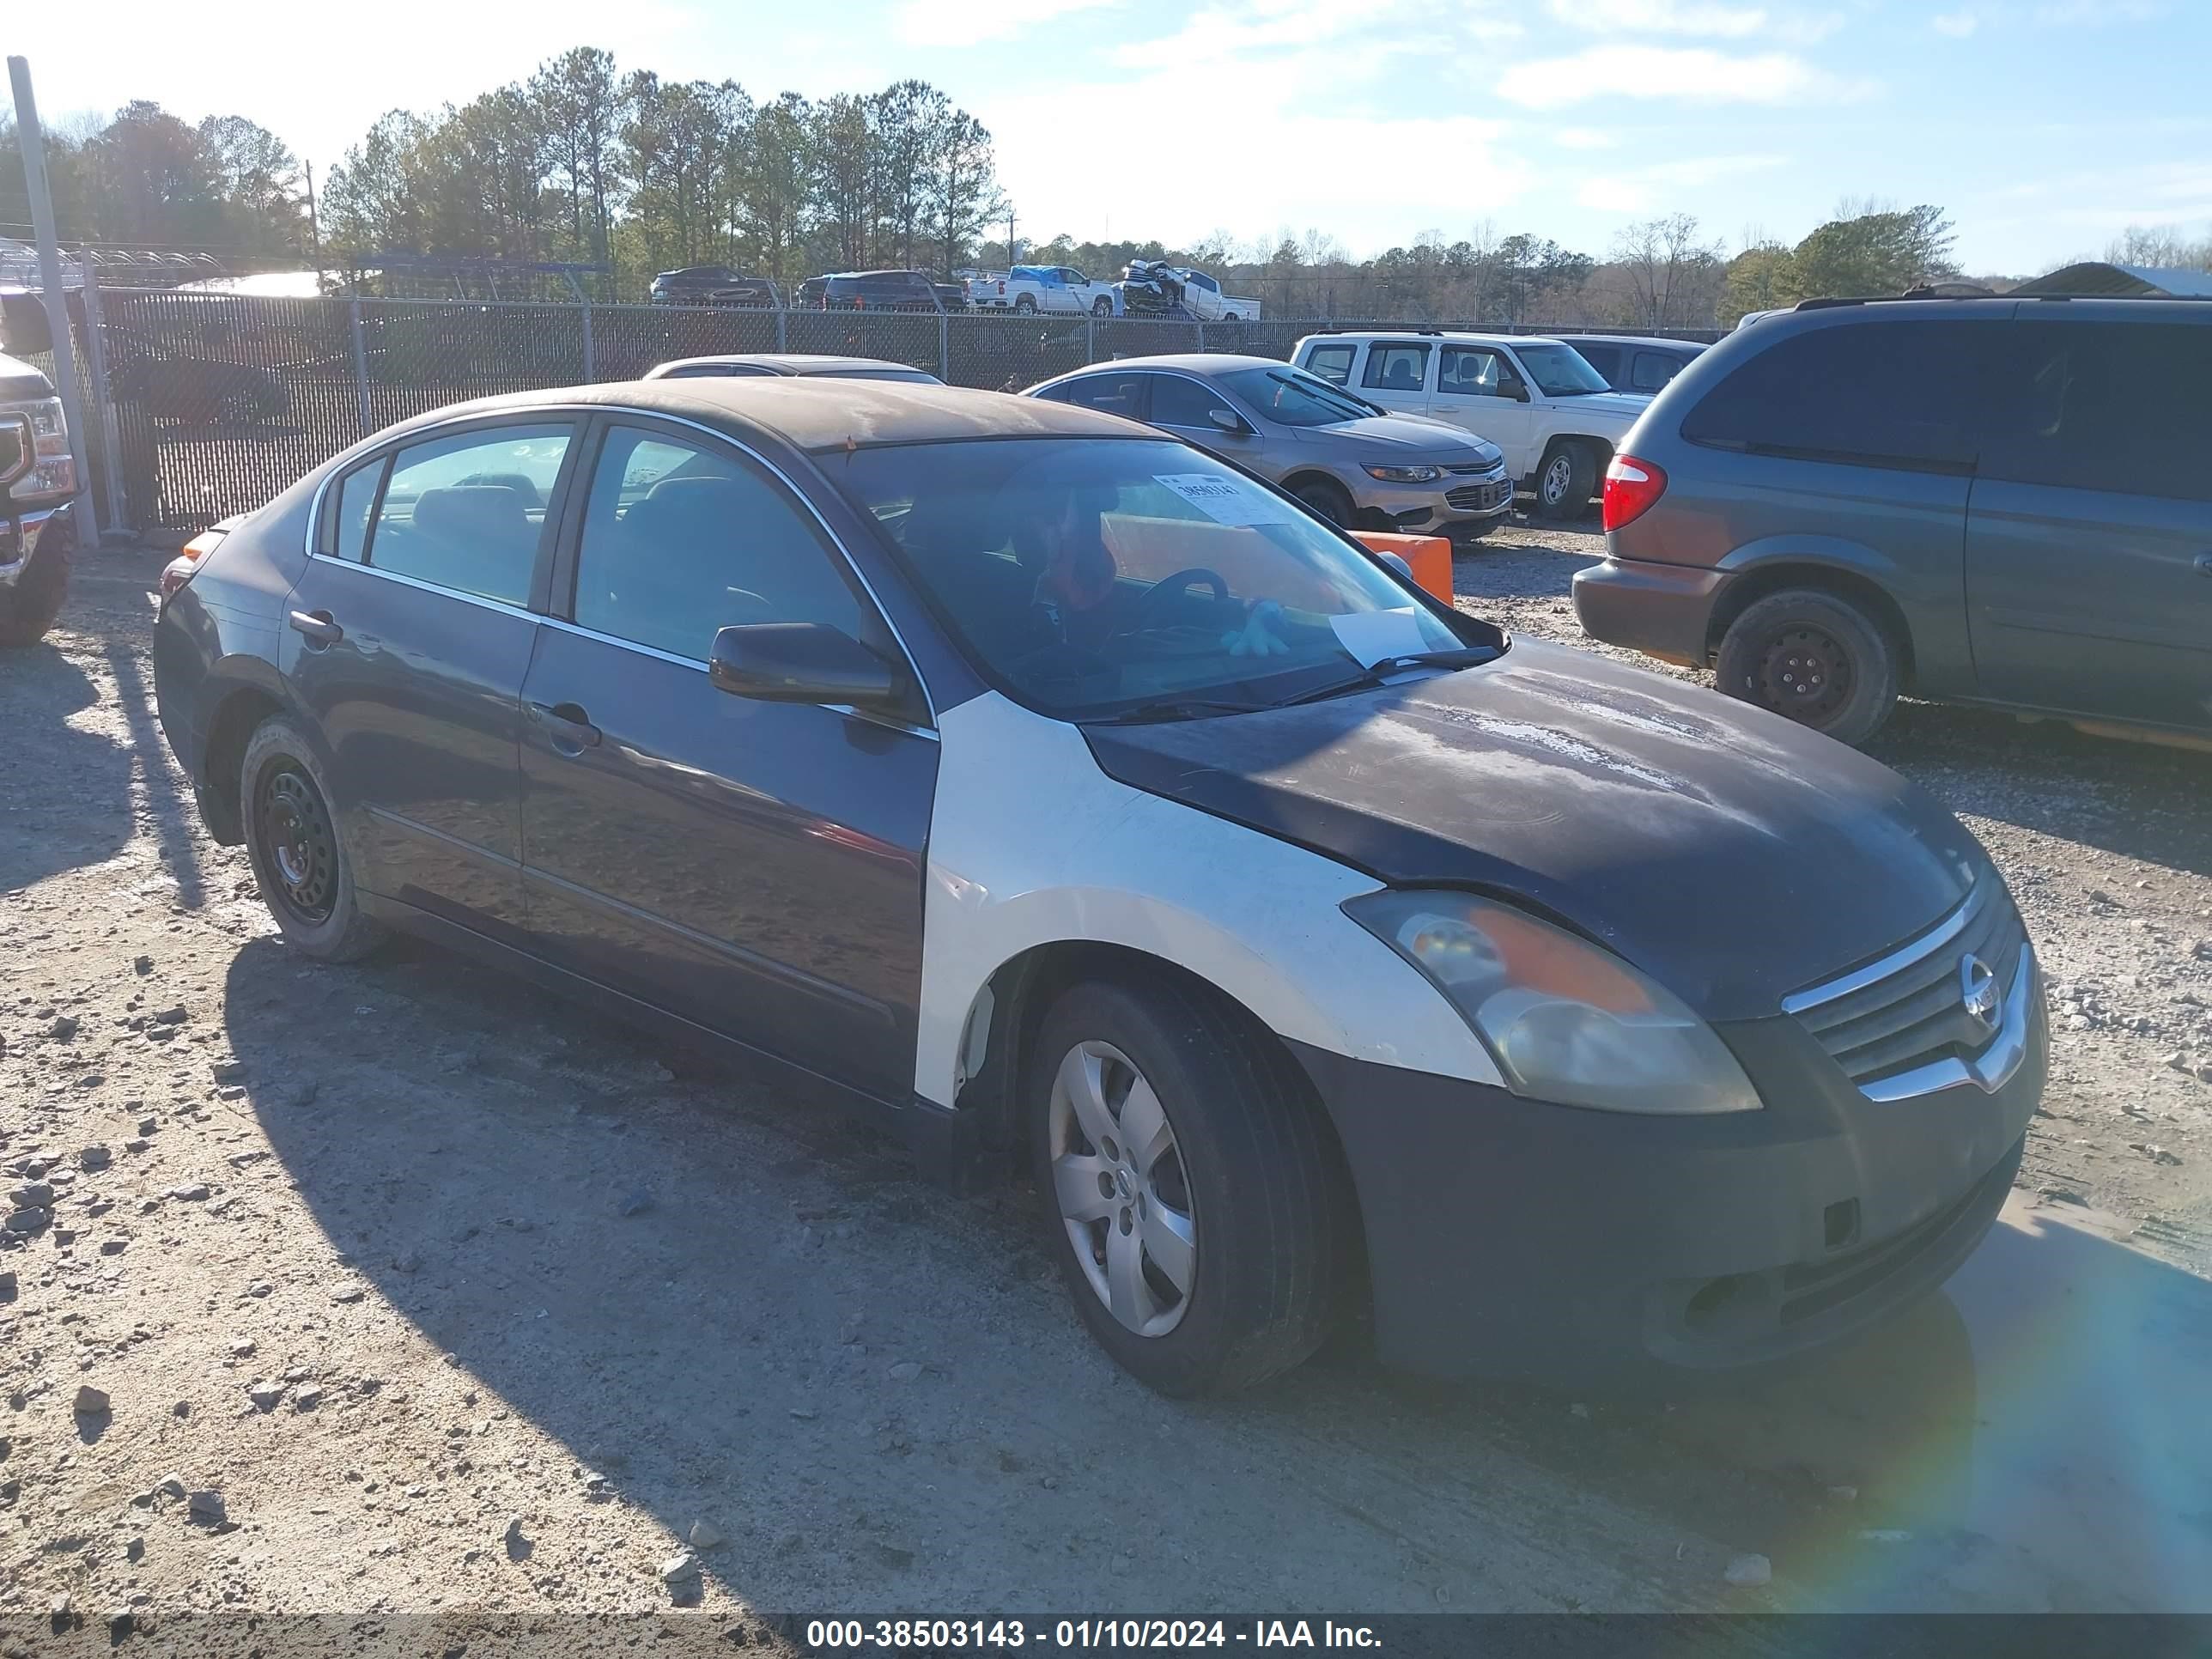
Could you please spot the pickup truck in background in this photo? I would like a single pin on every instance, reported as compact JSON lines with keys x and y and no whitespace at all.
{"x":1150,"y":288}
{"x":1042,"y":288}
{"x":1538,"y":399}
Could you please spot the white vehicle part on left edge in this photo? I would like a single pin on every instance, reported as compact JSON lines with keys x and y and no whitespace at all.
{"x":1031,"y":844}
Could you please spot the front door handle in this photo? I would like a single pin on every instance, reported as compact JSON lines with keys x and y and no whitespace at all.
{"x":566,"y":725}
{"x":316,"y":627}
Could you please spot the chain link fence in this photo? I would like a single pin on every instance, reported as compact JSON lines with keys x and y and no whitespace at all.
{"x":221,"y":401}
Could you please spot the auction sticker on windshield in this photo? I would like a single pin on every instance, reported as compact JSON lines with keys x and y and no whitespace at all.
{"x":1227,"y":500}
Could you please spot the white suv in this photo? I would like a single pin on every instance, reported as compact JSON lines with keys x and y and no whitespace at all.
{"x":1537,"y":400}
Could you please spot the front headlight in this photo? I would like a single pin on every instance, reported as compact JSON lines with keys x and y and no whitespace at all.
{"x":56,"y":472}
{"x":1566,"y":1020}
{"x":1406,"y":474}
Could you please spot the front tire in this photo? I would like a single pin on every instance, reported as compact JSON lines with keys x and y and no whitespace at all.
{"x":33,"y":603}
{"x":1815,"y":658}
{"x":1194,"y":1206}
{"x":1565,"y":481}
{"x":299,"y":858}
{"x":1327,"y":500}
{"x":1101,"y":307}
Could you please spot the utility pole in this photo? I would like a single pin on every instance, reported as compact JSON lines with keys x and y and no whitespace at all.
{"x":314,"y":225}
{"x":1013,"y":258}
{"x":33,"y":142}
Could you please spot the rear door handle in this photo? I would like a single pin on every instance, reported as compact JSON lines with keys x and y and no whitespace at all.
{"x":569,"y":728}
{"x":316,"y":627}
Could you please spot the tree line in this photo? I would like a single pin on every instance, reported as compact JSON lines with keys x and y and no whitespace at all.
{"x":584,"y":164}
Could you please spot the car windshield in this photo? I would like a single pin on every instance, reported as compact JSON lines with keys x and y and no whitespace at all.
{"x":1560,"y":371}
{"x":1291,"y":397}
{"x":1099,"y":577}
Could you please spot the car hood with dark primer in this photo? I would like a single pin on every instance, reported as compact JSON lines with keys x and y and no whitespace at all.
{"x":1734,"y":856}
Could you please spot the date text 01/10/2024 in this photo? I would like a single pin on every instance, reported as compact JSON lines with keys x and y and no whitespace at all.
{"x":823,"y":1634}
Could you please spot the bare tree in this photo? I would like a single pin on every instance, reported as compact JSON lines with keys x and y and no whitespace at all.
{"x":1672,"y":275}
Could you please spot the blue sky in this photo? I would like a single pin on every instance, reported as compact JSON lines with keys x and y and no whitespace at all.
{"x":2044,"y":126}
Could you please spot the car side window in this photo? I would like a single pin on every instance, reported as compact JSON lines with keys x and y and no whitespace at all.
{"x":1875,"y":393}
{"x":357,"y":500}
{"x":680,"y":541}
{"x":1470,"y":371}
{"x":1605,"y":359}
{"x":1179,"y":402}
{"x":2112,"y":406}
{"x":1395,"y":367}
{"x":1114,"y":394}
{"x":1653,"y":370}
{"x":1332,"y":362}
{"x":467,"y":513}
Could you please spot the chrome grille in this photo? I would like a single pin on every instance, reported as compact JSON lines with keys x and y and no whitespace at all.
{"x":1907,"y":1010}
{"x":1478,"y":498}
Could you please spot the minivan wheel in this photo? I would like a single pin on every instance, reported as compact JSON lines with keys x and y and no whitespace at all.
{"x":299,"y":858}
{"x":1815,"y":656}
{"x":1192,"y":1202}
{"x":1565,"y":480}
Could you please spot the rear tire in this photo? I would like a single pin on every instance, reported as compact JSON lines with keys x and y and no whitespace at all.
{"x":1565,"y":479}
{"x":1328,"y":499}
{"x":1024,"y":304}
{"x":31,"y":604}
{"x":1247,"y":1199}
{"x":1101,"y":307}
{"x":299,"y":858}
{"x":1815,"y":658}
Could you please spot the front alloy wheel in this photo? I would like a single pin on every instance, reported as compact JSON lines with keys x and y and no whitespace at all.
{"x":1123,"y":1193}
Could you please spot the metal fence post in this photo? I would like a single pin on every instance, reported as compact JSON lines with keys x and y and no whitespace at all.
{"x":779,"y":344}
{"x":1090,"y":337}
{"x":360,"y":364}
{"x":109,"y":428}
{"x":944,"y":345}
{"x":586,"y":306}
{"x":1201,"y":336}
{"x":31,"y":141}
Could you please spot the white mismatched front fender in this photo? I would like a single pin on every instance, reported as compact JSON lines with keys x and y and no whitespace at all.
{"x":1031,"y":844}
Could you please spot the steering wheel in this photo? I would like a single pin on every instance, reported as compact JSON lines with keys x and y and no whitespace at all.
{"x":1177,"y":585}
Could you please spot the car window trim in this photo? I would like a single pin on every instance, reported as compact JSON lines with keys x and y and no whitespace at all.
{"x":1144,"y":378}
{"x":1314,"y":351}
{"x":1503,"y":361}
{"x":562,"y":574}
{"x":556,"y":499}
{"x":1429,"y":360}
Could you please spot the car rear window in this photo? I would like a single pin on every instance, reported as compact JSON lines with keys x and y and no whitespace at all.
{"x":1332,"y":362}
{"x":1877,"y":392}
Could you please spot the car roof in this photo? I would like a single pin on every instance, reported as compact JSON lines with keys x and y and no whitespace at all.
{"x":1190,"y":362}
{"x":790,"y":362}
{"x":817,"y":412}
{"x":1635,"y":340}
{"x":1417,"y":333}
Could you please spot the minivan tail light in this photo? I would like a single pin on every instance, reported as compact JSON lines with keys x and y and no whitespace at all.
{"x":1632,"y":485}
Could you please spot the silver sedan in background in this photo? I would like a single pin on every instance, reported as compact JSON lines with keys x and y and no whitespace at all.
{"x":1342,"y":456}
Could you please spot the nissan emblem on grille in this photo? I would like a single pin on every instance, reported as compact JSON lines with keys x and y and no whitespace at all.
{"x":1978,"y":990}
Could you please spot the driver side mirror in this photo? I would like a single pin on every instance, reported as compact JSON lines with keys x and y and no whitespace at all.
{"x":19,"y":449}
{"x":1229,"y":421}
{"x":1516,"y":390}
{"x":801,"y":662}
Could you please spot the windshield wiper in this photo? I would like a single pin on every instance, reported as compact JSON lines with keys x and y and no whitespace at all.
{"x":1183,"y":709}
{"x":1466,"y":656}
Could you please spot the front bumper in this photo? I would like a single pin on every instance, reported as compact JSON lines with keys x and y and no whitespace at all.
{"x":1416,"y":508}
{"x":1664,"y":611}
{"x":38,"y":524}
{"x":1508,"y":1237}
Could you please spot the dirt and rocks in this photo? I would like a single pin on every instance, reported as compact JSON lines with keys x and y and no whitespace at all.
{"x":398,"y":1289}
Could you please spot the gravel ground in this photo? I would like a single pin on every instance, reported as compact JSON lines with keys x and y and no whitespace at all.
{"x":395,"y":1288}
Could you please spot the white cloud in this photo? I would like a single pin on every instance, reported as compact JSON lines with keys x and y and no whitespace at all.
{"x":931,"y":23}
{"x":1583,"y":138}
{"x":1697,"y":73}
{"x":1644,"y":189}
{"x":1660,"y":17}
{"x":1956,"y":24}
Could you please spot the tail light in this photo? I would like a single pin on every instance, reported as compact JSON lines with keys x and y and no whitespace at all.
{"x":1631,"y":486}
{"x":179,"y":570}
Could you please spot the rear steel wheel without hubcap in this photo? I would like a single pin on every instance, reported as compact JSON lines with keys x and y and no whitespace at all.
{"x":1124,"y":1196}
{"x":1805,"y":674}
{"x":302,"y":848}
